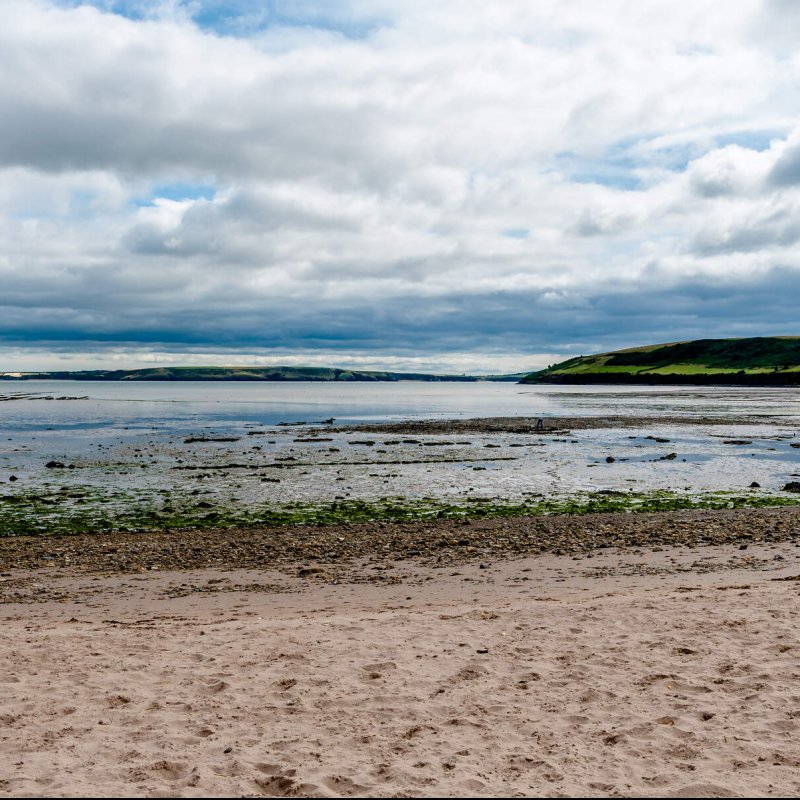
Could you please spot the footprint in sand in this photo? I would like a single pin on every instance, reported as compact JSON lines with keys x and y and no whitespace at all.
{"x":342,"y":785}
{"x":375,"y":671}
{"x":281,"y":783}
{"x":170,"y":770}
{"x":117,"y":701}
{"x":213,"y":688}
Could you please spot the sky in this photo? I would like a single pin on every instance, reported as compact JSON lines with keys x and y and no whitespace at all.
{"x":441,"y":186}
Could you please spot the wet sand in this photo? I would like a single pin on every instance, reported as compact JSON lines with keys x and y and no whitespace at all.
{"x":658,"y":671}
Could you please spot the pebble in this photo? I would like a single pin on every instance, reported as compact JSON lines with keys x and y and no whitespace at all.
{"x":298,"y":548}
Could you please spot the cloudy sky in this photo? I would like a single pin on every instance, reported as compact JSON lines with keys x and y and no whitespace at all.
{"x":417,"y":184}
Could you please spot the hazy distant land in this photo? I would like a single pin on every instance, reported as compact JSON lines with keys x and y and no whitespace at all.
{"x":755,"y":361}
{"x":246,"y":374}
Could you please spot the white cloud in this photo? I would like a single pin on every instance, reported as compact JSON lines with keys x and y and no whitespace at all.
{"x":359,"y":189}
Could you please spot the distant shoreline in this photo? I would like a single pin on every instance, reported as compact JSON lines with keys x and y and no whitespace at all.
{"x":250,"y":375}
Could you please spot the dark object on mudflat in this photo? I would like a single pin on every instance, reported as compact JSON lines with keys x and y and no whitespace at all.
{"x":755,"y":485}
{"x":329,"y":421}
{"x":610,"y":459}
{"x":54,"y":465}
{"x":792,"y":486}
{"x":308,"y":572}
{"x":737,"y":441}
{"x":12,"y":478}
{"x":795,"y":444}
{"x":193,"y":439}
{"x":539,"y":424}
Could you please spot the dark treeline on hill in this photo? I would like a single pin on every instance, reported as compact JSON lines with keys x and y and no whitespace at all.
{"x":244,"y":374}
{"x":758,"y":361}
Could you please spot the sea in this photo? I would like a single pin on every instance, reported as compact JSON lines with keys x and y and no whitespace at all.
{"x":187,"y":406}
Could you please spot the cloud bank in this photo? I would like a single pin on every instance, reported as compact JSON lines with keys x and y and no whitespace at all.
{"x":390,"y":182}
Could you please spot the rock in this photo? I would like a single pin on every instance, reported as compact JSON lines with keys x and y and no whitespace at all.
{"x":792,"y":486}
{"x":308,"y":572}
{"x":194,"y":439}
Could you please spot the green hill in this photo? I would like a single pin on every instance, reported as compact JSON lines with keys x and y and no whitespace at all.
{"x":760,"y":361}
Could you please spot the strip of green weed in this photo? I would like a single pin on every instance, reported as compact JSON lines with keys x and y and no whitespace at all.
{"x":79,"y":511}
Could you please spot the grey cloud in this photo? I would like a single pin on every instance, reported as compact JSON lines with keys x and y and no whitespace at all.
{"x":656,"y":307}
{"x":711,"y":186}
{"x":776,"y":229}
{"x":601,"y":223}
{"x":786,"y":171}
{"x":187,"y":106}
{"x":777,"y":25}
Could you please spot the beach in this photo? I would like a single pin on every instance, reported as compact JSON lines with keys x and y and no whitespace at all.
{"x":202,"y":604}
{"x":653,"y":669}
{"x":399,"y":399}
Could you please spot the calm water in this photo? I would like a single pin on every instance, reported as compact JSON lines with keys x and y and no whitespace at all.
{"x":188,"y":406}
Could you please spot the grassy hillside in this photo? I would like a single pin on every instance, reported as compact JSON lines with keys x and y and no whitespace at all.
{"x":242,"y":374}
{"x":761,"y":361}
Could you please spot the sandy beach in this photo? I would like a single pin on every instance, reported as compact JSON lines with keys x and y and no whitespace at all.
{"x":645,"y":671}
{"x":399,"y":399}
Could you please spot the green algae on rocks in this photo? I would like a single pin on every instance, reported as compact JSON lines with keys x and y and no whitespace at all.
{"x":77,"y":511}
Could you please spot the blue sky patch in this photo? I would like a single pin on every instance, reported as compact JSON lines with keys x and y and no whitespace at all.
{"x":248,"y":17}
{"x":177,"y":191}
{"x":752,"y":140}
{"x":616,"y":170}
{"x":517,"y":233}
